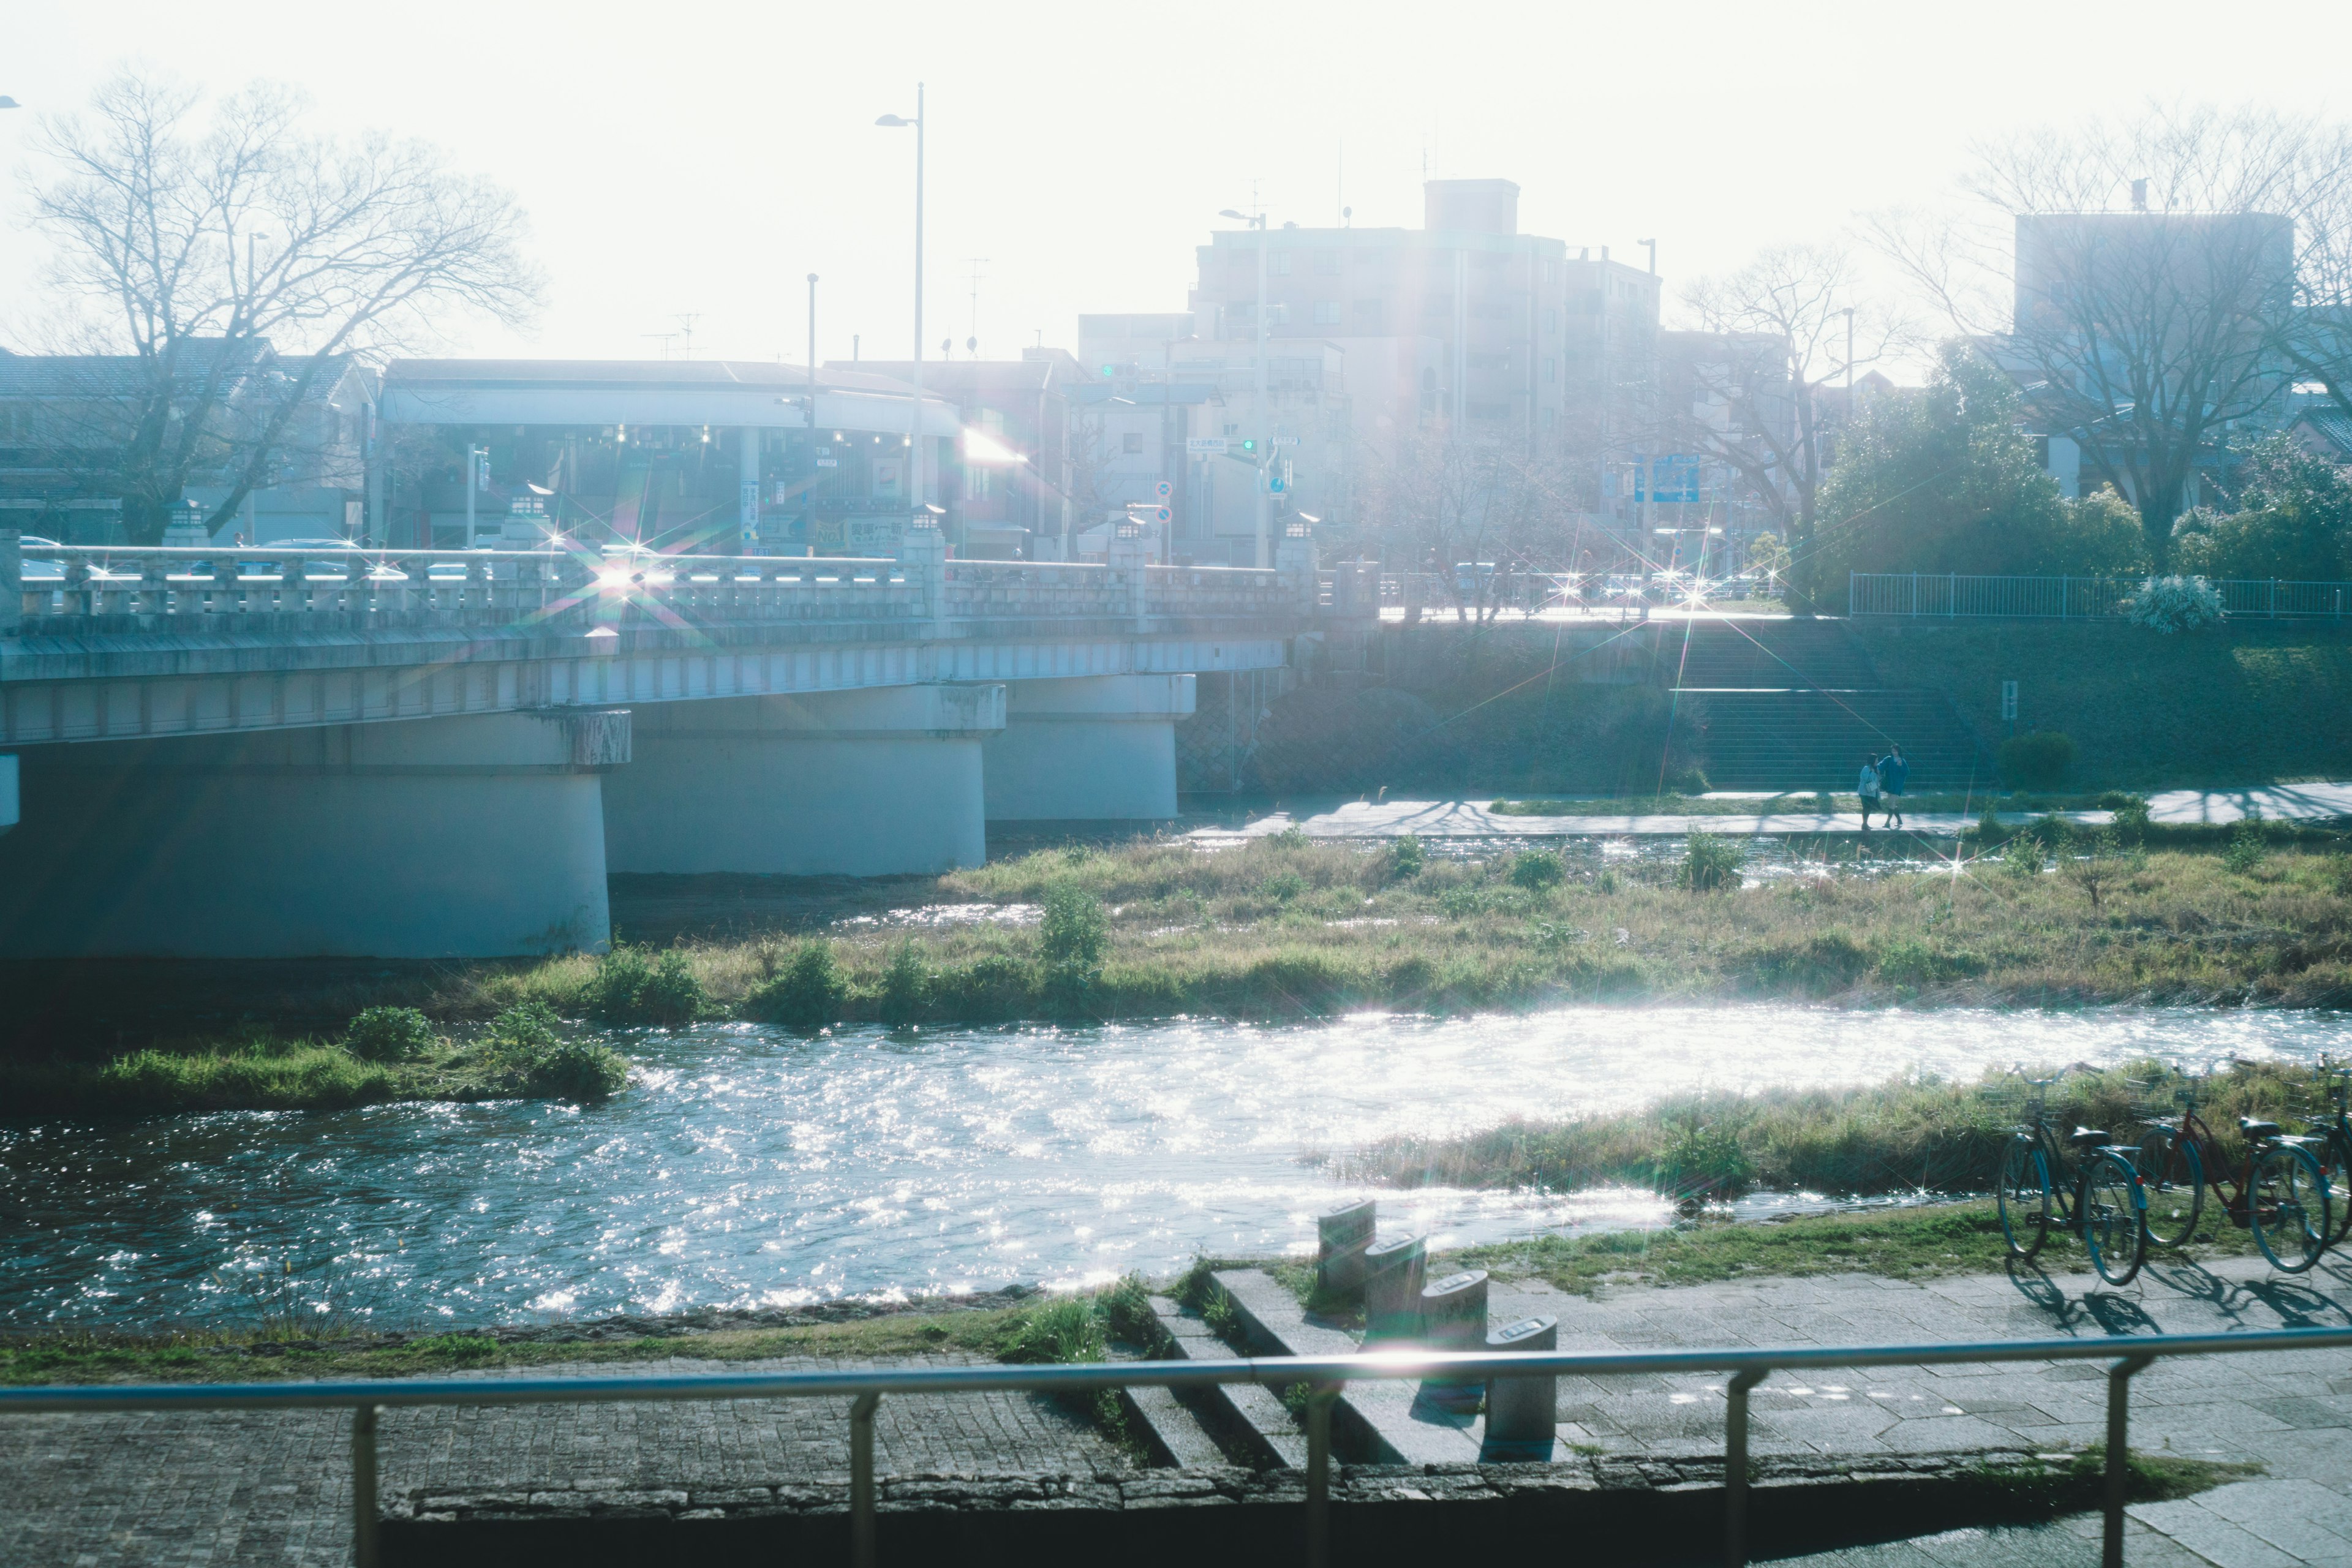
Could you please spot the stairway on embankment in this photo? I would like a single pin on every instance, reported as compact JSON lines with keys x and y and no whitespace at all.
{"x":1793,"y":705}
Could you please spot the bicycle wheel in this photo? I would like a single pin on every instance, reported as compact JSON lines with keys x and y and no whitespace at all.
{"x":2023,"y":1196}
{"x":2336,"y":1164}
{"x":2174,"y":1178}
{"x":2113,"y":1217}
{"x":2288,"y":1205}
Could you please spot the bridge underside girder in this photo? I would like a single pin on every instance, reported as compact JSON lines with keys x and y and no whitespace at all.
{"x":437,"y":838}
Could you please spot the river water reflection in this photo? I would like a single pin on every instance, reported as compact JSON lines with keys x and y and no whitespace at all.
{"x":747,"y":1166}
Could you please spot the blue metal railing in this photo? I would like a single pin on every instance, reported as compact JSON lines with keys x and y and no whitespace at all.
{"x":1325,"y":1377}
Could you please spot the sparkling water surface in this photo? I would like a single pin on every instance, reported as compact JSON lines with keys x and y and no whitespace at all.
{"x":745,"y":1166}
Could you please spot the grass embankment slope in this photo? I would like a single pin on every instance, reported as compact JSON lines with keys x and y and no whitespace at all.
{"x":2247,"y":704}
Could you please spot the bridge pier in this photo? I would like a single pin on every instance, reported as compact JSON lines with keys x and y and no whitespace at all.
{"x":868,"y":783}
{"x":1092,"y":748}
{"x":461,"y":837}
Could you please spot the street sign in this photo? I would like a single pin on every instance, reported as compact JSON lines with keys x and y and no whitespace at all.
{"x":1160,"y":515}
{"x":1286,"y":440}
{"x":1163,"y":493}
{"x":1205,"y":446}
{"x":1277,"y":481}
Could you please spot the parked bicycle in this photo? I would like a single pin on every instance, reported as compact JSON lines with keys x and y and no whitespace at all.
{"x":2089,"y":1181}
{"x":2328,"y":1135}
{"x":2278,"y":1191}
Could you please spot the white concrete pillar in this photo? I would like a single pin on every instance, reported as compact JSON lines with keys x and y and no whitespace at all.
{"x":856,"y":783}
{"x":747,"y":489}
{"x":461,"y":837}
{"x":1094,"y":748}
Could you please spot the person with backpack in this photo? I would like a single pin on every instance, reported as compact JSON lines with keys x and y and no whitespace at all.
{"x":1867,"y":787}
{"x":1893,"y":772}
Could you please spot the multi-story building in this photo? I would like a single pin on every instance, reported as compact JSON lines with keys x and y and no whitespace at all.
{"x":1465,"y":325}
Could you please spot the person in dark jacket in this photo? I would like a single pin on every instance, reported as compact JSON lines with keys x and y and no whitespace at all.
{"x":1892,"y":774}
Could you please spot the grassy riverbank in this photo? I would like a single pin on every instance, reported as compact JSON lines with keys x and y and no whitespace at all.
{"x":1900,"y":1137}
{"x":1281,"y":927}
{"x":1809,"y":802}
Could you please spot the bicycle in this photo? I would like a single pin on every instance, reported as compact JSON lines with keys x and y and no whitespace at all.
{"x":2100,"y":1197}
{"x":2279,"y":1190}
{"x":2329,"y":1134}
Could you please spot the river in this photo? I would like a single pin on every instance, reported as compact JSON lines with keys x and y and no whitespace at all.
{"x":745,"y":1166}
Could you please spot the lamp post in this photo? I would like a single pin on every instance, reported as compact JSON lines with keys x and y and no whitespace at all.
{"x":915,"y":424}
{"x":1265,"y":436}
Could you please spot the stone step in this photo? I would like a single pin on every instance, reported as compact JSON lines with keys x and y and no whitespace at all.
{"x":1248,"y":1422}
{"x":1381,"y":1423}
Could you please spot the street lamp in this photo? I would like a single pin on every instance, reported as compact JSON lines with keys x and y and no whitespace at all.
{"x":914,"y":424}
{"x":1265,"y":501}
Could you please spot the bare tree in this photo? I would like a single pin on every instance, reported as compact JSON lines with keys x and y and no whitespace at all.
{"x":1753,"y":389}
{"x":1457,"y":503}
{"x":240,"y":261}
{"x":2146,"y":285}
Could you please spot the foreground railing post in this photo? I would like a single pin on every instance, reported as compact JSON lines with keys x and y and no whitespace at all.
{"x":2119,"y":1376}
{"x":1735,"y":1466}
{"x":861,"y":1479}
{"x":365,"y":1551}
{"x":1320,"y":1401}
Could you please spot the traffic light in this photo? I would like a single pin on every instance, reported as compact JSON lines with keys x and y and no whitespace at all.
{"x":1250,"y":443}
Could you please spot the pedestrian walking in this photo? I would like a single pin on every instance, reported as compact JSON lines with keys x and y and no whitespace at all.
{"x":1893,"y":772}
{"x":1868,"y":787}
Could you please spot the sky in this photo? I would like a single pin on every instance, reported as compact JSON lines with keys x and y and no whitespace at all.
{"x":689,"y":164}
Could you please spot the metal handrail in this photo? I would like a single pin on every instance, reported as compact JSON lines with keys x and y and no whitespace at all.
{"x":1325,"y":1377}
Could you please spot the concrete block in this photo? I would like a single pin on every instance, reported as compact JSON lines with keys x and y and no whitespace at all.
{"x":1523,"y":1413}
{"x":1394,"y":1273}
{"x":1454,"y":1318}
{"x":1341,"y":1238}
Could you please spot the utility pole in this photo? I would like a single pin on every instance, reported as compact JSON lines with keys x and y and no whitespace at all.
{"x":473,"y":456}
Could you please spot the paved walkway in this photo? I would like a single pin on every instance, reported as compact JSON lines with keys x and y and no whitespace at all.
{"x":150,"y":1489}
{"x":1473,"y":819}
{"x":2291,"y":1412}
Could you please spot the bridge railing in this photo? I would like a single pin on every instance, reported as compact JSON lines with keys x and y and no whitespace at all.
{"x":1956,"y":596}
{"x":67,"y":590}
{"x":1324,"y":1377}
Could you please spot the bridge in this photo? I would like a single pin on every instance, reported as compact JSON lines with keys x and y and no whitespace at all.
{"x":260,"y":752}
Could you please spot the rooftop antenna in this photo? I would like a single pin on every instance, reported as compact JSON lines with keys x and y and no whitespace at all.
{"x":664,"y":338}
{"x":686,"y":330}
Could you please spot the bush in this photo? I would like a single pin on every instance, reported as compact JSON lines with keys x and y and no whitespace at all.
{"x":1536,"y":869}
{"x":2247,"y":847}
{"x":1406,"y":856}
{"x":1704,"y":1162}
{"x":2170,"y":605}
{"x":1687,"y":782}
{"x":526,"y":1054}
{"x":906,"y":985}
{"x":2036,"y":760}
{"x":2024,"y":856}
{"x":1711,"y":862}
{"x":625,"y":989}
{"x":806,"y":993}
{"x":389,"y":1034}
{"x":2130,"y":827}
{"x":1074,"y":932}
{"x":1068,"y":1329}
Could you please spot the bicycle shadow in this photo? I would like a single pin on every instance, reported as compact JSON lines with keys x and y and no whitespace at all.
{"x":2299,"y":1306}
{"x":2045,"y":1294}
{"x":2120,"y":1315}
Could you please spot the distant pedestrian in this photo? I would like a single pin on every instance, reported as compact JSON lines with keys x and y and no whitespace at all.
{"x":1893,"y":772}
{"x":1867,"y":786}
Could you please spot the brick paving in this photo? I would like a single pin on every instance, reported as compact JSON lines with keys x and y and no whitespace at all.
{"x":274,"y":1487}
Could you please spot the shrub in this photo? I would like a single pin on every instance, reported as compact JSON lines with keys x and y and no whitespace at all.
{"x":1687,"y":782}
{"x":526,"y":1054}
{"x":1073,"y":929}
{"x":1536,"y":869}
{"x":1283,"y":886}
{"x":1067,"y":1330}
{"x":1704,"y":1162}
{"x":1711,"y":862}
{"x":1407,"y":856}
{"x":1126,"y":1311}
{"x":2024,"y":856}
{"x":906,"y":985}
{"x":1908,"y":963}
{"x":2036,"y":760}
{"x":2248,"y":848}
{"x":625,"y":989}
{"x":2170,"y":605}
{"x":805,"y":994}
{"x":389,"y":1034}
{"x":2130,"y":825}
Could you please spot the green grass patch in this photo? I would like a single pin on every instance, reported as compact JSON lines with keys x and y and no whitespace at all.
{"x":1909,"y":1243}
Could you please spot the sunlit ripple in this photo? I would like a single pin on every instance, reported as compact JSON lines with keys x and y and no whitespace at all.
{"x":746,"y":1167}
